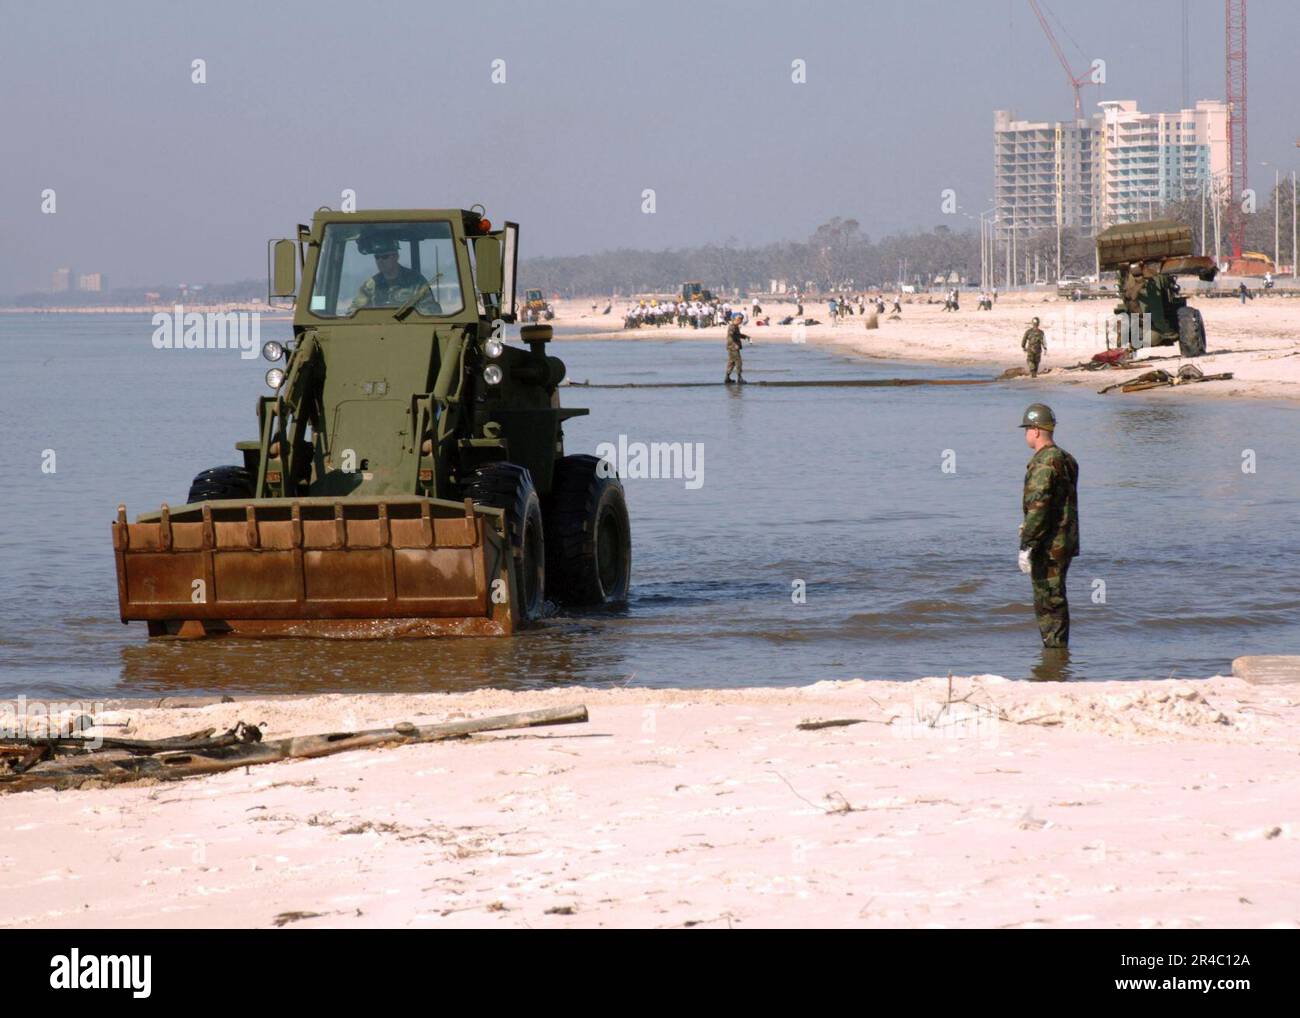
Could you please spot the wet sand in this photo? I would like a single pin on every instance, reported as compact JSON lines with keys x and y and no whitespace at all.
{"x":1151,"y":804}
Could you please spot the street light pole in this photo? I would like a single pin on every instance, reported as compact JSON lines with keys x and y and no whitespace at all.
{"x":1203,"y":245}
{"x":1277,"y":201}
{"x":1058,"y":246}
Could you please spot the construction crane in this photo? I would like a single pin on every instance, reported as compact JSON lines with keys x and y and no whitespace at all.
{"x":1234,"y":14}
{"x":1076,"y":81}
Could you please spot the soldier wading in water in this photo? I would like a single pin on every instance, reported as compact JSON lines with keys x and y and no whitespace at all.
{"x":1049,"y":537}
{"x":735,"y":340}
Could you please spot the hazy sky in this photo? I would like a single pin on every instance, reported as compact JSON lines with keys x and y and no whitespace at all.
{"x":162,"y":180}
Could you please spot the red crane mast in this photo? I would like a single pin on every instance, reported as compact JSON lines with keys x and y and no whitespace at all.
{"x":1234,"y":14}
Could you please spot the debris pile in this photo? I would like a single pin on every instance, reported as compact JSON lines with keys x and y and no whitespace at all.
{"x":1186,"y":375}
{"x":69,"y":761}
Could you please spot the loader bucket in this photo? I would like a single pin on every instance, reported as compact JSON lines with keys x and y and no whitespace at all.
{"x":1125,"y":243}
{"x":377,"y":567}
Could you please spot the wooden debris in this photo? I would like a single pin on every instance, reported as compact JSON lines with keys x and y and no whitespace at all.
{"x":1188,"y":374}
{"x":118,"y":764}
{"x":82,"y":744}
{"x":812,"y":726}
{"x":1267,"y":669}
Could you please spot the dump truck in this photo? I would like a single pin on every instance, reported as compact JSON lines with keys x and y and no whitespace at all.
{"x":1148,"y":257}
{"x":409,"y":474}
{"x":537,"y":307}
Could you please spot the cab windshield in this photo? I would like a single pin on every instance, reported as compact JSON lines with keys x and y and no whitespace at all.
{"x":386,"y":265}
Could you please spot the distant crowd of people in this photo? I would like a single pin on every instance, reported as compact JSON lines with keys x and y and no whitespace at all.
{"x":693,"y":314}
{"x":704,"y":314}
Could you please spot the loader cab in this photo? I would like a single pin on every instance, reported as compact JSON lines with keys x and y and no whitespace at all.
{"x":373,"y":266}
{"x":363,"y":267}
{"x":393,"y":311}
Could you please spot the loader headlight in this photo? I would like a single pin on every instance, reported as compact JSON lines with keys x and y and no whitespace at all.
{"x":493,"y":374}
{"x":494,"y":348}
{"x":275,"y":378}
{"x":272,"y":351}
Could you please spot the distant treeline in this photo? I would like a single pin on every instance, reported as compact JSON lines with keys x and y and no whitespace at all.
{"x":837,"y":257}
{"x":240,"y":292}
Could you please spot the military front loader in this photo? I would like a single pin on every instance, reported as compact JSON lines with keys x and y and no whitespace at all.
{"x":1148,"y":257}
{"x":408,"y":476}
{"x":537,"y":307}
{"x":694,"y":290}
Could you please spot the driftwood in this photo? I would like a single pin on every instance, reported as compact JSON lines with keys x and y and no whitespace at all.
{"x":813,"y":726}
{"x":1187,"y":375}
{"x":47,"y":746}
{"x":117,"y":765}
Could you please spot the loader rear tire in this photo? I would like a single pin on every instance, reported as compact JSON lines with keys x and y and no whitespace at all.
{"x":221,"y":482}
{"x":1191,"y":332}
{"x":588,"y":537}
{"x":510,"y":487}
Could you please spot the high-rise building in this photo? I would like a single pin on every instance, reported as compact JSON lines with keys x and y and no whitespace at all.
{"x":1152,"y":159}
{"x":92,"y":282}
{"x":62,"y":280}
{"x":1117,"y":166}
{"x":1044,"y":173}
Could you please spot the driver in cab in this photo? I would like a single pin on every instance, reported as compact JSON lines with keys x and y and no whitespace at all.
{"x":394,"y":284}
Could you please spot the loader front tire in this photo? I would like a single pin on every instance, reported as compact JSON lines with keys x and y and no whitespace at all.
{"x":510,"y":487}
{"x":219,"y":483}
{"x":588,"y":537}
{"x":1191,"y":332}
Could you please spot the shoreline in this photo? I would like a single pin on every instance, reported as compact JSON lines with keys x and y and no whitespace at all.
{"x":1162,"y":803}
{"x":1259,"y":342}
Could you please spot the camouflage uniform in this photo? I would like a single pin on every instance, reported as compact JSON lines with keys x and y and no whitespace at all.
{"x":1051,"y":533}
{"x":1033,"y":343}
{"x":734,"y":338}
{"x":379,"y":292}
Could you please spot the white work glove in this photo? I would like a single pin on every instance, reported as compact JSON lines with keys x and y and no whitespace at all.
{"x":1025,"y":565}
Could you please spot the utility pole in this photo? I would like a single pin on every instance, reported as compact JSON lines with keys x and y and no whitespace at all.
{"x":1058,"y":245}
{"x":988,"y":253}
{"x":1014,"y":226}
{"x":994,"y":221}
{"x":984,"y":251}
{"x":1202,"y":247}
{"x":1216,"y":194}
{"x":1008,"y":275}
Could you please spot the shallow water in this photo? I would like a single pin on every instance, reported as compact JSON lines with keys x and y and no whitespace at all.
{"x":909,"y":570}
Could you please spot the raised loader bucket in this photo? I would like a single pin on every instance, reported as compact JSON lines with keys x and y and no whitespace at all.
{"x":380,"y":566}
{"x":1125,"y":243}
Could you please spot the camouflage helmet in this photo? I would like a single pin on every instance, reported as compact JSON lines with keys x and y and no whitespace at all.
{"x":1033,"y":321}
{"x":1040,"y":416}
